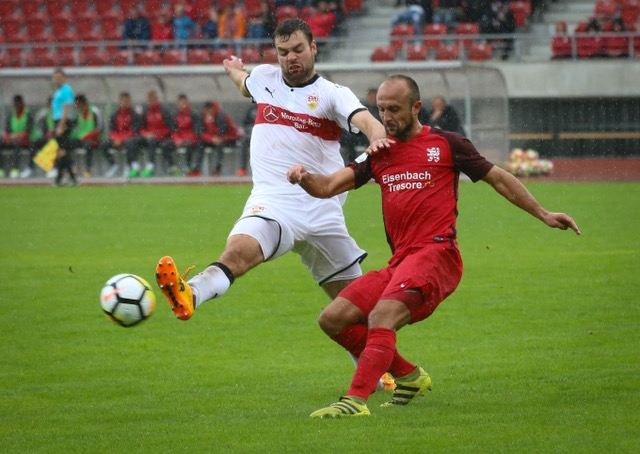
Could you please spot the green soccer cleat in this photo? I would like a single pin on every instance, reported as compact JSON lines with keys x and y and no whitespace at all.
{"x":133,"y":173}
{"x":147,"y":173}
{"x":346,"y":406}
{"x":406,"y":390}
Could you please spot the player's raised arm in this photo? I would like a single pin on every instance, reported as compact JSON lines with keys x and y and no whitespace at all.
{"x":322,"y":186}
{"x":373,"y":129}
{"x":515,"y":192}
{"x":237,"y":72}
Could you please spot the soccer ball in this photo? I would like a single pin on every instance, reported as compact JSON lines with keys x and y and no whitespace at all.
{"x":127,"y":300}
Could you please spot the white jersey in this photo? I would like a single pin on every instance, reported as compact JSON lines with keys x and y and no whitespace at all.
{"x":296,"y":125}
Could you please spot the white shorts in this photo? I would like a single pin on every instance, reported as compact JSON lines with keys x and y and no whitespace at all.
{"x":313,"y":228}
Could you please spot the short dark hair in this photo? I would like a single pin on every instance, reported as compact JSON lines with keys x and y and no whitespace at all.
{"x":182,"y":96}
{"x":18,"y":99}
{"x":59,"y":71}
{"x":289,"y":26}
{"x":414,"y":90}
{"x":208,"y":105}
{"x":81,"y":99}
{"x":125,"y":94}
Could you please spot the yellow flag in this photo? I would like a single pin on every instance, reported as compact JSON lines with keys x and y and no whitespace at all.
{"x":47,"y":156}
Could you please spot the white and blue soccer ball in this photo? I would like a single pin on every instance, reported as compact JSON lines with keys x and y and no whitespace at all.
{"x":127,"y":300}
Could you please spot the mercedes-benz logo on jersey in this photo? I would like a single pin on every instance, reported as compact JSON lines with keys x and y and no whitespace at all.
{"x":270,"y":114}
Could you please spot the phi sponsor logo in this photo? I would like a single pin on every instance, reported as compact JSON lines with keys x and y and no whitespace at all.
{"x":433,"y":154}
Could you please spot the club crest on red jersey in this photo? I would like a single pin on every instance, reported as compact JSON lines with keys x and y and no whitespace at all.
{"x":433,"y":154}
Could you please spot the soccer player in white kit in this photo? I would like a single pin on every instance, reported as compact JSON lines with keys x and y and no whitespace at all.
{"x":299,"y":119}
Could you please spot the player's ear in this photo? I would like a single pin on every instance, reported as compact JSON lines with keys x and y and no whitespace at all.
{"x":416,"y":107}
{"x":314,"y":48}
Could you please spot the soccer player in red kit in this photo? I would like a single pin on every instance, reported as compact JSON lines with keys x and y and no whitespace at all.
{"x":418,"y":177}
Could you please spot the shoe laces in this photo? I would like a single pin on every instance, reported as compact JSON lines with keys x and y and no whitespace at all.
{"x":188,"y":270}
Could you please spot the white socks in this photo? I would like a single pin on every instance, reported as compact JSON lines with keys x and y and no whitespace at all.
{"x":210,"y":283}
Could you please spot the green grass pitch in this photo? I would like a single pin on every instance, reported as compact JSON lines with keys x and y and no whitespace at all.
{"x":537,"y":351}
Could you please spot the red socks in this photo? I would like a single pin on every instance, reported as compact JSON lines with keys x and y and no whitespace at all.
{"x":374,"y":361}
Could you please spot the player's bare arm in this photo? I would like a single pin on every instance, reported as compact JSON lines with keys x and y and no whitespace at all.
{"x":373,"y":129}
{"x":515,"y":192}
{"x":322,"y":186}
{"x":237,"y":72}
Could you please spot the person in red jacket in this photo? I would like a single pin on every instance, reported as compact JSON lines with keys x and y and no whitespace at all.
{"x":218,"y":131}
{"x":188,"y":127}
{"x":162,"y":30}
{"x":158,"y":125}
{"x":323,"y":21}
{"x":124,"y":127}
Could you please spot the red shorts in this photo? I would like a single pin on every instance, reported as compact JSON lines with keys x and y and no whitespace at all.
{"x":434,"y":271}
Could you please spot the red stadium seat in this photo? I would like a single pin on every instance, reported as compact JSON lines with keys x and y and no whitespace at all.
{"x":581,"y":27}
{"x":252,"y":7}
{"x":448,"y":52}
{"x":561,"y":47}
{"x":218,"y":55}
{"x":48,"y":60}
{"x":55,"y":7}
{"x":480,"y":52}
{"x":5,"y":60}
{"x":198,"y":57}
{"x":250,"y":55}
{"x":173,"y":57}
{"x":30,"y":8}
{"x":60,"y":24}
{"x":103,"y":6}
{"x":7,"y":9}
{"x":153,"y":7}
{"x":285,"y":12}
{"x":467,"y":28}
{"x":85,"y":23}
{"x":433,"y":30}
{"x":121,"y":57}
{"x":70,"y":36}
{"x":605,"y":9}
{"x":94,"y":58}
{"x":269,"y":55}
{"x":382,"y":54}
{"x":78,"y":7}
{"x":629,"y":14}
{"x":12,"y":26}
{"x":66,"y":56}
{"x":36,"y":25}
{"x":400,"y":33}
{"x":616,"y":46}
{"x":147,"y":58}
{"x":110,"y":23}
{"x":589,"y":46}
{"x":417,"y":53}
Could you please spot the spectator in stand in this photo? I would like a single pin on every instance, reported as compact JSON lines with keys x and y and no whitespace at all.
{"x":322,"y":21}
{"x":188,"y":127}
{"x":561,"y":44}
{"x":448,"y":12}
{"x":218,"y":131}
{"x":475,"y":9}
{"x":417,"y":13}
{"x":19,"y":133}
{"x":245,"y":145}
{"x":88,"y":131}
{"x":124,"y":129}
{"x":189,"y":9}
{"x":617,"y":46}
{"x":444,"y":116}
{"x":209,"y":29}
{"x":184,"y":28}
{"x":162,"y":30}
{"x":157,"y":126}
{"x":262,"y":25}
{"x":336,"y":7}
{"x":500,"y":20}
{"x":136,"y":27}
{"x":232,"y":24}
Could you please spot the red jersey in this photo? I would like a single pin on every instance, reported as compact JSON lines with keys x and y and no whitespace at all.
{"x":219,"y":125}
{"x":157,"y":121}
{"x":419,"y":184}
{"x":124,"y":124}
{"x":185,"y":125}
